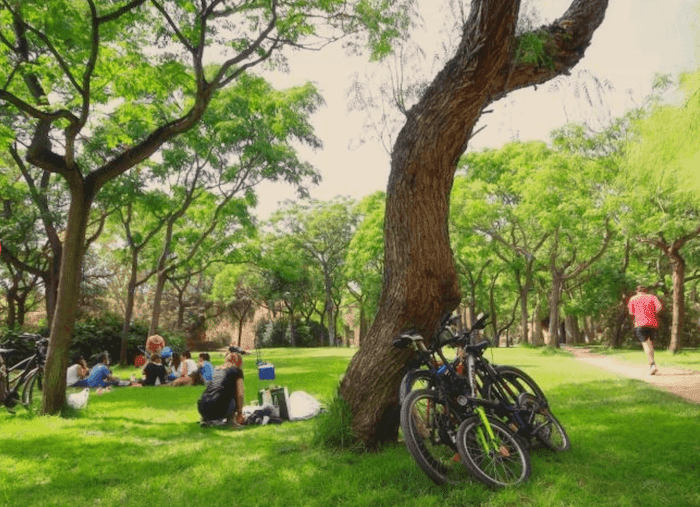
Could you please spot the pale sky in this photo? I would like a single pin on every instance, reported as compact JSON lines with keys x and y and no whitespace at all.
{"x":637,"y":39}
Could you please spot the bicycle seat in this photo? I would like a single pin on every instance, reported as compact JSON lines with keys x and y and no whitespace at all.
{"x":406,"y":339}
{"x":477,"y":349}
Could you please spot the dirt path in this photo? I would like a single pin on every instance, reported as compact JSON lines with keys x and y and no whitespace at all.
{"x":681,"y":382}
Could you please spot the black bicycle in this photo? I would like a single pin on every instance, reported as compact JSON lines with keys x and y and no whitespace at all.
{"x":517,"y":400}
{"x":435,"y":419}
{"x":428,"y":364}
{"x":20,"y":380}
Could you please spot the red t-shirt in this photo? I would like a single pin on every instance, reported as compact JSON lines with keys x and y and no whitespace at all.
{"x":644,"y":307}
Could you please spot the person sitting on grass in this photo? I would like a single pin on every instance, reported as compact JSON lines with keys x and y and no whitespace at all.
{"x":189,"y":371}
{"x":76,"y":374}
{"x":154,"y":371}
{"x":100,"y":375}
{"x":175,"y":369}
{"x":154,"y":345}
{"x":206,"y":369}
{"x":222,"y":400}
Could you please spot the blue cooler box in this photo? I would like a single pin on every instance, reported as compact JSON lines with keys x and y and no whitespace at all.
{"x":266,"y":371}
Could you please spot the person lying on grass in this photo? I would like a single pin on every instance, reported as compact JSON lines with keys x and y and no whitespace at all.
{"x":222,"y":400}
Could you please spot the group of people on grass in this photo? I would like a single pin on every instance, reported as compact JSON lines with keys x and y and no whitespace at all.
{"x":222,"y":399}
{"x":163,"y":367}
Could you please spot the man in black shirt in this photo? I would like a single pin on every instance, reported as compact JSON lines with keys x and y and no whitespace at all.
{"x":223,"y":396}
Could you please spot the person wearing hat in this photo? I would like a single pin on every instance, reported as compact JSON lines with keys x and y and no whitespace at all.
{"x":154,"y":345}
{"x":645,"y":307}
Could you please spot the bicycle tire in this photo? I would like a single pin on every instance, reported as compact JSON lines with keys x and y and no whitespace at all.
{"x":430,"y":431}
{"x":551,"y":433}
{"x":35,"y":379}
{"x":415,"y":380}
{"x":517,"y":378}
{"x":507,"y":466}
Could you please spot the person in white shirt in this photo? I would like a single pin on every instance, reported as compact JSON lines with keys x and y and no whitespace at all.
{"x":77,"y":373}
{"x":188,"y":371}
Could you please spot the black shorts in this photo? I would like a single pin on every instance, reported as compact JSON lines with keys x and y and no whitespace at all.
{"x":211,"y":410}
{"x":645,"y":333}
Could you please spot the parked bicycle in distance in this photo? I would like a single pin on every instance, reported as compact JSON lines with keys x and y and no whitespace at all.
{"x":18,"y":382}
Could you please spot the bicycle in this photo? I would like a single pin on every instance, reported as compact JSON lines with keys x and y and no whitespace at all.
{"x":20,"y":380}
{"x":516,"y":400}
{"x":427,"y":364}
{"x":439,"y":422}
{"x":508,"y":385}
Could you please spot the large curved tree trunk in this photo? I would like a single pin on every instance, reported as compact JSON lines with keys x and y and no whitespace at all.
{"x":420,"y":281}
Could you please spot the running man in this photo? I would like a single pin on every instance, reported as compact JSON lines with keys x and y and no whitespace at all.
{"x":645,"y":308}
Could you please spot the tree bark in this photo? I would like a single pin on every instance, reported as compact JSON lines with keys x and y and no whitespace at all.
{"x":678,"y":264}
{"x":553,"y":338}
{"x":54,"y":395}
{"x":672,"y":250}
{"x":420,"y":280}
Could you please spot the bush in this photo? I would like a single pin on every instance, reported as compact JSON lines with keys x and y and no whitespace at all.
{"x":276,"y":333}
{"x":95,"y":335}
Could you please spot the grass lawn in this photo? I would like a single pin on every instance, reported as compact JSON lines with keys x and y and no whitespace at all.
{"x":686,"y":358}
{"x":632,"y":445}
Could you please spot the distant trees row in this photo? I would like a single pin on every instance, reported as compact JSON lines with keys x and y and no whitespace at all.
{"x":543,"y":235}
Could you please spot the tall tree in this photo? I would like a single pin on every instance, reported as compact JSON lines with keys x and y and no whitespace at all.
{"x":420,"y":283}
{"x":92,"y":89}
{"x":323,"y":230}
{"x":661,"y":179}
{"x":364,"y":266}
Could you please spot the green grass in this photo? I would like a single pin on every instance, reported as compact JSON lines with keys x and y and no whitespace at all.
{"x":632,"y":445}
{"x":687,"y":358}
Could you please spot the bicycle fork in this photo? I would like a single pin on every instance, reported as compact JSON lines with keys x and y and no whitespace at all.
{"x":488,"y":441}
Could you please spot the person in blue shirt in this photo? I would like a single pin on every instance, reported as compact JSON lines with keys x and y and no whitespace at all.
{"x":100,"y":375}
{"x":206,"y":369}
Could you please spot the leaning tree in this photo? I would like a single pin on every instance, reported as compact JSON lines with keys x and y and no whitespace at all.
{"x":88,"y":90}
{"x":420,"y":281}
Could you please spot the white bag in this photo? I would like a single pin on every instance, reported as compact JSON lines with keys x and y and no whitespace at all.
{"x":302,"y":405}
{"x":78,"y":400}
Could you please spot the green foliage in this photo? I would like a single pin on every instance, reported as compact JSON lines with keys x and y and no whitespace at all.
{"x":95,"y":335}
{"x":661,"y":179}
{"x":364,"y":266}
{"x":533,"y":49}
{"x":277,"y":333}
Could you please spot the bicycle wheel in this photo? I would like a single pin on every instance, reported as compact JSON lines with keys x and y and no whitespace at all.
{"x":33,"y":381}
{"x":430,"y":431}
{"x":415,"y":380}
{"x":516,"y":382}
{"x":498,"y":462}
{"x":545,"y":426}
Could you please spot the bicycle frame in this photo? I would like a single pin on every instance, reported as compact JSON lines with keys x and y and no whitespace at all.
{"x":22,"y":371}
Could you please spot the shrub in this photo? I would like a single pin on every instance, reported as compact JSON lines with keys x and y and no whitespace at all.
{"x":95,"y":335}
{"x":276,"y":333}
